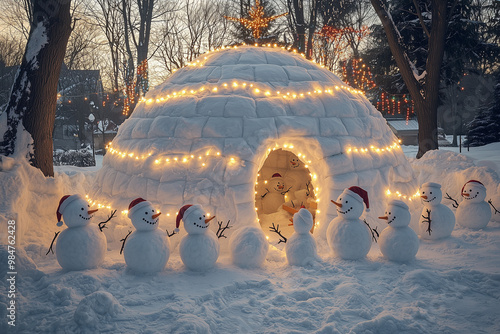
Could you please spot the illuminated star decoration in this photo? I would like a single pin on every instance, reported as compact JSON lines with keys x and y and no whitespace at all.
{"x":256,"y":20}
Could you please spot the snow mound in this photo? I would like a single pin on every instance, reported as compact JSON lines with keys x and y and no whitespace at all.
{"x":189,"y":323}
{"x":96,"y":308}
{"x":249,"y":247}
{"x":31,"y":200}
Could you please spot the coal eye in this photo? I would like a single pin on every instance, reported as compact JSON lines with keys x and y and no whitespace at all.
{"x":83,"y":209}
{"x":88,"y":205}
{"x":423,"y":192}
{"x":153,"y":210}
{"x":146,"y":213}
{"x":430,"y":193}
{"x":200,"y":218}
{"x":346,"y":202}
{"x":389,"y":213}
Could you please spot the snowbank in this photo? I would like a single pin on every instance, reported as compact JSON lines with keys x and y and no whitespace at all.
{"x":451,"y":287}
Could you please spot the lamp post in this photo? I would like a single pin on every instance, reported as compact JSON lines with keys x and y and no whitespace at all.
{"x":92,"y":119}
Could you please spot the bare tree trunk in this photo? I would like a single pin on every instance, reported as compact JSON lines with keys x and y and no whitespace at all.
{"x":426,"y":97}
{"x":34,"y":94}
{"x":312,"y":27}
{"x":300,"y":42}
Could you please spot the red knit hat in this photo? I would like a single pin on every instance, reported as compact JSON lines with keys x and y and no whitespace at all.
{"x":360,"y":195}
{"x":63,"y":203}
{"x":180,"y":215}
{"x":136,"y":204}
{"x":475,"y":181}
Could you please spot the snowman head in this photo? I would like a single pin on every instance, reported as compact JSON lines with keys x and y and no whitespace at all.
{"x":294,"y":162}
{"x":276,"y":184}
{"x":143,"y":216}
{"x":430,"y":193}
{"x":75,"y":211}
{"x":397,"y":214}
{"x":350,"y":202}
{"x":195,"y":219}
{"x":302,"y":221}
{"x":474,"y":191}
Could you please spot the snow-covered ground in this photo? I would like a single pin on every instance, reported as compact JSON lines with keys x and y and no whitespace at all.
{"x":452,"y":287}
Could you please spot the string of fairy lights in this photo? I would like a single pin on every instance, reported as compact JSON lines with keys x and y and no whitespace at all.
{"x":163,"y":160}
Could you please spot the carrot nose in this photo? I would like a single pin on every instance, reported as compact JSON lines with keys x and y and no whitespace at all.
{"x":92,"y":211}
{"x":465,"y":194}
{"x":337,"y":204}
{"x":384,"y":217}
{"x":156,"y":216}
{"x":209,"y":219}
{"x":424,"y":197}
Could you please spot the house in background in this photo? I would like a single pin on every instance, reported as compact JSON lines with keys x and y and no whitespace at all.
{"x":407,"y":132}
{"x":79,"y":91}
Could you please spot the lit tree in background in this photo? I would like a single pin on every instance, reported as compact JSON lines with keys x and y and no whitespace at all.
{"x":257,"y":20}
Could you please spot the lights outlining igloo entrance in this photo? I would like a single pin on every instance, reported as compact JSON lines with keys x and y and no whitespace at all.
{"x":284,"y":185}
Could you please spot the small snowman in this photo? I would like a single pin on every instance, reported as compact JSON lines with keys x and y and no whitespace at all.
{"x":199,"y":249}
{"x":347,"y":235}
{"x":473,"y":212}
{"x":437,"y":220}
{"x":81,"y":246}
{"x":147,"y":249}
{"x":300,"y":248}
{"x":296,"y":177}
{"x":398,"y":242}
{"x":274,"y":196}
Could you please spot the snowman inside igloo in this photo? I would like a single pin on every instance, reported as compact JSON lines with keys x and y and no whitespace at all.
{"x":237,"y":119}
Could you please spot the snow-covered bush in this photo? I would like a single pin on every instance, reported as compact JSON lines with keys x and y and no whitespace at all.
{"x":79,"y":158}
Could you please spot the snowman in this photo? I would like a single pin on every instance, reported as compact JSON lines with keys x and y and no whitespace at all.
{"x":274,"y":196}
{"x":398,"y":242}
{"x":437,"y":220}
{"x":297,"y":178}
{"x":300,"y":248}
{"x":347,"y":235}
{"x":199,"y":249}
{"x":81,"y":246}
{"x":147,"y":249}
{"x":474,"y":212}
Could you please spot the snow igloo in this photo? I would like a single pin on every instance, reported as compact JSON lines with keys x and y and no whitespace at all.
{"x":222,"y":129}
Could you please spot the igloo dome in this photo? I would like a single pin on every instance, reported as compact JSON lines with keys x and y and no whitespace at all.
{"x":232,"y":120}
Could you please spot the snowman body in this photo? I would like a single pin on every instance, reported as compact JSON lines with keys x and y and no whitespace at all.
{"x":199,"y":249}
{"x":274,"y":197}
{"x":473,"y":212}
{"x":441,"y":217}
{"x":82,"y":245}
{"x":147,"y":249}
{"x":348,"y":237}
{"x":199,"y":252}
{"x":398,"y":242}
{"x":301,"y":248}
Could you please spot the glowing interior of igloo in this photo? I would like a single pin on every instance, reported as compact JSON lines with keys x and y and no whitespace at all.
{"x":284,"y":185}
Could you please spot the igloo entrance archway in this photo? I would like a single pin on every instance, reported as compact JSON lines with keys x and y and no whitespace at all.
{"x":291,"y":173}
